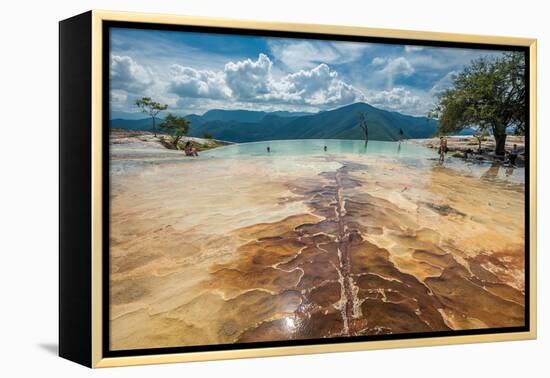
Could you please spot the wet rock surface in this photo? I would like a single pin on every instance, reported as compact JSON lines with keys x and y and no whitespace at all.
{"x":354,"y":247}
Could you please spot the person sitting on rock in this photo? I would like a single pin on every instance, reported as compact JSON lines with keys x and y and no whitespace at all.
{"x":190,"y":150}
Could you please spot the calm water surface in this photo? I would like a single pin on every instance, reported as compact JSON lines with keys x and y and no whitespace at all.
{"x":412,"y":155}
{"x":316,"y":147}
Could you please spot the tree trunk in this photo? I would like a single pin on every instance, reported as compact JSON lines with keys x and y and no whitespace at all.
{"x":176,"y":142}
{"x":500,"y":144}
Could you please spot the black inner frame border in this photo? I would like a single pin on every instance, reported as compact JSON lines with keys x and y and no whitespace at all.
{"x":106,"y":50}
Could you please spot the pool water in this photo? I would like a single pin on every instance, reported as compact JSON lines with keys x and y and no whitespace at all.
{"x":414,"y":156}
{"x":299,"y":153}
{"x":316,"y":147}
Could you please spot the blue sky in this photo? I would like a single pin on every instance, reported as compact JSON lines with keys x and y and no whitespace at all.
{"x":195,"y":72}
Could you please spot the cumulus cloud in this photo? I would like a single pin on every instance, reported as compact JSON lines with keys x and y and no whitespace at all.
{"x":398,"y":99}
{"x":319,"y":86}
{"x":398,"y":66}
{"x":189,"y":82}
{"x":293,"y":74}
{"x":249,"y":79}
{"x":253,"y":81}
{"x":393,"y":68}
{"x":379,"y":61}
{"x":126,"y":74}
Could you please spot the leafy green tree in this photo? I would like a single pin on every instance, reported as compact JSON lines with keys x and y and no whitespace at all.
{"x":176,"y":126}
{"x":488,"y":94}
{"x":153,"y":108}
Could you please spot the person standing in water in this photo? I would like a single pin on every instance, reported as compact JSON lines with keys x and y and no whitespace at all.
{"x":325,"y":148}
{"x":401,"y":133}
{"x":514,"y":154}
{"x":268,"y":149}
{"x":442,"y":149}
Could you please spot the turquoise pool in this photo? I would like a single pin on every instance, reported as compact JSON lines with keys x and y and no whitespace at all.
{"x":316,"y":147}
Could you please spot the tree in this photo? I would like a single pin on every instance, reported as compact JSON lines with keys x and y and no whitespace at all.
{"x":363,"y":124}
{"x":176,"y":126}
{"x":480,"y":135}
{"x":152,"y":108}
{"x":488,"y":94}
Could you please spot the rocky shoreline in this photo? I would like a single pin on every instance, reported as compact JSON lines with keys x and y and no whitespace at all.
{"x":467,"y":147}
{"x":146,"y":139}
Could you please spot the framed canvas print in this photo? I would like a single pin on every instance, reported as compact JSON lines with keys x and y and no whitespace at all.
{"x":236,"y":189}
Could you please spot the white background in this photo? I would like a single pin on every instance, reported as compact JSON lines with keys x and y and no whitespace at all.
{"x":29,"y":186}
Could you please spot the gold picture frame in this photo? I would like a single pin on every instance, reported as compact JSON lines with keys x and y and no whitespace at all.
{"x":91,"y":24}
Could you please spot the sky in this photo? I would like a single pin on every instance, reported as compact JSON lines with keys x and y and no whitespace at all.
{"x":196,"y":72}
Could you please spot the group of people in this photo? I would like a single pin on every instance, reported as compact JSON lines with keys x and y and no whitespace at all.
{"x":443,"y":149}
{"x":268,"y":149}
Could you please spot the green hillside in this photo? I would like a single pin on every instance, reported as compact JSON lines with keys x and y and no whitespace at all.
{"x":342,"y":123}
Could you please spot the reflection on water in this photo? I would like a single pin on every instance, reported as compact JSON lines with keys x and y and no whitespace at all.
{"x":492,"y":173}
{"x":278,"y":153}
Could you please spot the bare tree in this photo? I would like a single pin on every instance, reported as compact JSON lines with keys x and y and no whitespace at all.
{"x":152,"y":108}
{"x":363,"y":124}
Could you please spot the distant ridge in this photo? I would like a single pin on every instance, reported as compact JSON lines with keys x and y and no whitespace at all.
{"x":246,"y":115}
{"x":341,"y":123}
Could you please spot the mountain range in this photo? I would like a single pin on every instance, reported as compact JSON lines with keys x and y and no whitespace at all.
{"x":342,"y":123}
